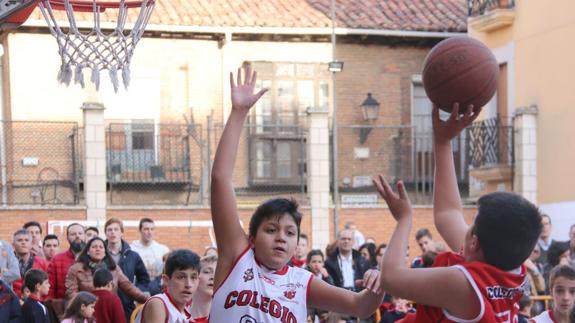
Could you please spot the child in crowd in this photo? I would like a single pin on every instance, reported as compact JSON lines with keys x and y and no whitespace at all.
{"x":485,"y":281}
{"x":562,"y":286}
{"x":81,"y":309}
{"x":180,"y":278}
{"x":202,"y":298}
{"x":400,"y":307}
{"x":109,"y":306}
{"x":524,"y":309}
{"x":315,"y":261}
{"x":33,"y":310}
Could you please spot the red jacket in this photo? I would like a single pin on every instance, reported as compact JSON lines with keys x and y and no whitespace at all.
{"x":57,"y":272}
{"x":108,"y":307}
{"x":39,"y":263}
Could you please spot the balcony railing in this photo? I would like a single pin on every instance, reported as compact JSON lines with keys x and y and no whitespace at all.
{"x":490,"y":144}
{"x":480,"y":7}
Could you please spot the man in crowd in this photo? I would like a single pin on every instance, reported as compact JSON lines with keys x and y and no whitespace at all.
{"x":63,"y":261}
{"x":9,"y":268}
{"x":23,"y":249}
{"x":128,"y":260}
{"x":425,"y":243}
{"x":91,"y":232}
{"x":50,"y":246}
{"x":358,"y":238}
{"x":150,"y":250}
{"x":545,"y":238}
{"x":346,"y":265}
{"x":299,"y":258}
{"x":35,"y":230}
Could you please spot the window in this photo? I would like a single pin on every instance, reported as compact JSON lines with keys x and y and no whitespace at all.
{"x":277,"y":144}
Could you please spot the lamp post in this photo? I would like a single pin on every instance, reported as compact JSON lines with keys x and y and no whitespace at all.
{"x":334,"y":68}
{"x":370,"y":110}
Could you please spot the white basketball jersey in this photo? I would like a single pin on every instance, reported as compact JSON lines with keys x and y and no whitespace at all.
{"x":254,"y":294}
{"x":174,"y":315}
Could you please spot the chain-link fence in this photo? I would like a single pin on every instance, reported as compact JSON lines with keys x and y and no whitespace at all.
{"x":398,"y":152}
{"x":271,"y":162}
{"x":39,"y":163}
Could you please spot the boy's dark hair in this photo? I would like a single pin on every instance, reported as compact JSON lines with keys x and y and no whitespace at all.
{"x":423,"y":232}
{"x":524,"y":302}
{"x":428,"y":258}
{"x":555,"y":251}
{"x":181,"y":259}
{"x":50,"y":237}
{"x":565,"y":271}
{"x":275,"y":208}
{"x":102,"y":277}
{"x":314,"y":252}
{"x":32,"y":224}
{"x":34,"y":277}
{"x":93,"y":229}
{"x":507,"y":227}
{"x":144,"y":220}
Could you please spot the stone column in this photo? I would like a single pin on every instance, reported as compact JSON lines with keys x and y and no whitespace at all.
{"x":318,"y":165}
{"x":525,"y":145}
{"x":95,"y":162}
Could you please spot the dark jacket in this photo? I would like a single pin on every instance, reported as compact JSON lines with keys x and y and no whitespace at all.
{"x":360,"y":266}
{"x":9,"y":305}
{"x":134,"y":269}
{"x":32,"y":312}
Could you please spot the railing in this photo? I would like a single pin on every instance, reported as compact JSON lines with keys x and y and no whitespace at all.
{"x":480,"y":7}
{"x":490,"y":144}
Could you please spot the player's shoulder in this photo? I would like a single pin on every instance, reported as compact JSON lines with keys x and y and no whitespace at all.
{"x":544,"y":317}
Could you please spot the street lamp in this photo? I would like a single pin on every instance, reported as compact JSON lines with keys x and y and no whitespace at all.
{"x":370,"y":111}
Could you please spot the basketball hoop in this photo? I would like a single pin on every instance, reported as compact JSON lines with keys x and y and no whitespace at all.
{"x":95,"y":49}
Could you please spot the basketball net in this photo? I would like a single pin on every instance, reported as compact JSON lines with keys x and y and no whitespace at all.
{"x":94,"y":49}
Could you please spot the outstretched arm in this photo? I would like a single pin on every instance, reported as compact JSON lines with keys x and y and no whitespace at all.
{"x":447,"y":209}
{"x":230,"y":237}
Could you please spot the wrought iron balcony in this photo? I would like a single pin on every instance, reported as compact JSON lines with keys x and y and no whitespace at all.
{"x":490,"y":144}
{"x":481,"y":7}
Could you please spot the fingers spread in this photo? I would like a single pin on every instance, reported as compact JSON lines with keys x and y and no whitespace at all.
{"x":232,"y":85}
{"x":239,"y":81}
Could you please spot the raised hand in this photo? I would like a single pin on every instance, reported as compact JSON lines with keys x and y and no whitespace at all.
{"x":243,"y":97}
{"x":398,"y":204}
{"x":444,"y":131}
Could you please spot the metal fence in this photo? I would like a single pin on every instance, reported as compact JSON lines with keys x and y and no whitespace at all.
{"x":39,"y":163}
{"x":480,"y":7}
{"x":398,"y":152}
{"x":491,"y":144}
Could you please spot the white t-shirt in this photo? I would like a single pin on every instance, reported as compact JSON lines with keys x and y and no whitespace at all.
{"x":254,"y":294}
{"x":174,"y":315}
{"x":151,"y":256}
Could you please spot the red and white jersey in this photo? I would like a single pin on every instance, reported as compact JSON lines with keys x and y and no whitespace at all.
{"x":545,"y":317}
{"x":498,"y":292}
{"x":252,"y":293}
{"x":173,"y":314}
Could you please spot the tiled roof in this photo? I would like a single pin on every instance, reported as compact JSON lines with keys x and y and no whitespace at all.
{"x":400,"y":15}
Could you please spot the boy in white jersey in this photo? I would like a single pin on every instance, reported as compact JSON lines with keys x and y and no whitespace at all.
{"x":200,"y":307}
{"x":180,"y":281}
{"x":253,"y":282}
{"x":562,"y":287}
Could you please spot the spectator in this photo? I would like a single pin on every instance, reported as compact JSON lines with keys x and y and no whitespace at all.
{"x":10,"y":311}
{"x":150,"y":250}
{"x":26,"y":260}
{"x":557,"y":254}
{"x":535,"y":273}
{"x":562,"y":286}
{"x":81,"y":309}
{"x":63,"y":261}
{"x":299,"y":258}
{"x":358,"y":238}
{"x":128,"y":260}
{"x":425,"y":243}
{"x":210,"y":251}
{"x":202,"y":298}
{"x":33,"y":311}
{"x":345,"y":265}
{"x":398,"y":310}
{"x":9,"y":268}
{"x":428,"y":258}
{"x":315,"y":264}
{"x":545,"y":240}
{"x":50,"y":246}
{"x":92,"y":232}
{"x":95,"y":256}
{"x":524,"y":309}
{"x":367,"y":251}
{"x":156,"y":285}
{"x":35,"y":230}
{"x":379,"y":252}
{"x":109,"y":306}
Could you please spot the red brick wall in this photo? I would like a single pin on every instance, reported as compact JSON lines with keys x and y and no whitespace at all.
{"x":376,"y":223}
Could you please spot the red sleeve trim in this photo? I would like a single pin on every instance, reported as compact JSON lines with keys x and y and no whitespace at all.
{"x":232,"y":269}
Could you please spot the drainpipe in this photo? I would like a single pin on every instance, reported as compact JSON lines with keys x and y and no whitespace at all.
{"x":3,"y":172}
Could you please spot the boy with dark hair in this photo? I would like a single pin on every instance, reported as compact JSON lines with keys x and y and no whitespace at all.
{"x":253,"y":282}
{"x":50,"y":246}
{"x":562,"y":287}
{"x":33,"y":310}
{"x":180,"y":277}
{"x":91,"y":232}
{"x":425,"y":242}
{"x":485,"y":281}
{"x":109,"y":306}
{"x":35,"y":230}
{"x":524,"y":309}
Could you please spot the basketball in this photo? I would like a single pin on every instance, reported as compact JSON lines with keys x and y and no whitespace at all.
{"x":460,"y":69}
